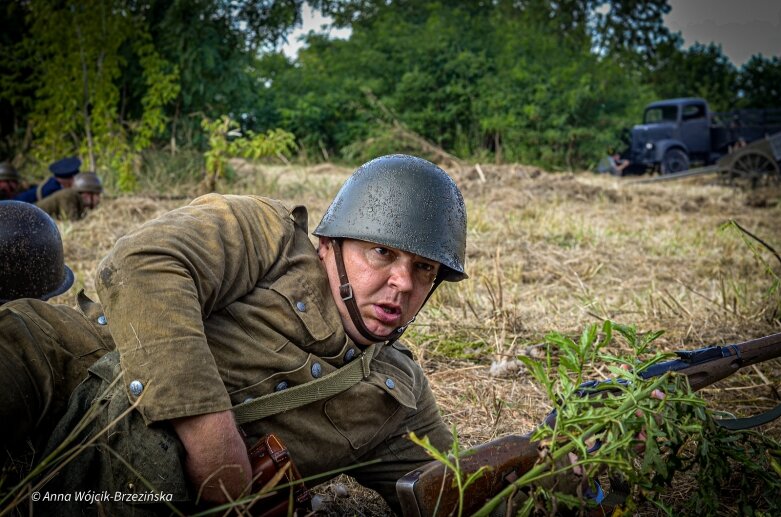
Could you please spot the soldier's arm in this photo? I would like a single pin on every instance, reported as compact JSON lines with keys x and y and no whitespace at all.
{"x":160,"y":283}
{"x":216,"y":464}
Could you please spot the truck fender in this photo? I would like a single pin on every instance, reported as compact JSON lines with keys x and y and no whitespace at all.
{"x":663,"y":145}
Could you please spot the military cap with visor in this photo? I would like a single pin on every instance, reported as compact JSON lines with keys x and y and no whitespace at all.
{"x":66,"y":167}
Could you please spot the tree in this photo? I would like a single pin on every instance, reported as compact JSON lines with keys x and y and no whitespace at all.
{"x":760,"y":83}
{"x":701,"y":71}
{"x":486,"y":80}
{"x":631,"y":29}
{"x":111,"y":77}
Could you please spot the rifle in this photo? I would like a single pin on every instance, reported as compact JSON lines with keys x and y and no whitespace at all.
{"x":430,"y":489}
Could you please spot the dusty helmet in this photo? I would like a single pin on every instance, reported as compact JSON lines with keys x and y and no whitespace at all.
{"x":87,"y":182}
{"x":403,"y":202}
{"x":31,"y":256}
{"x":7,"y":172}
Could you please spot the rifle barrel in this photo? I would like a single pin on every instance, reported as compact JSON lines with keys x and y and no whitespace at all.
{"x":705,"y":366}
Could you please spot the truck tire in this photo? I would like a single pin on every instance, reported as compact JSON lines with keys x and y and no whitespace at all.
{"x":675,"y":160}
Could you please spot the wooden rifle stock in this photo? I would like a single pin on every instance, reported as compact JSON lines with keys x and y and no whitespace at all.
{"x":429,"y":490}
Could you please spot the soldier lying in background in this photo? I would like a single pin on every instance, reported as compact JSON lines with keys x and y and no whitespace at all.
{"x":73,"y":203}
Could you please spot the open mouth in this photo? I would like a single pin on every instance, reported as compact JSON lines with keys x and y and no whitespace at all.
{"x":388,"y":314}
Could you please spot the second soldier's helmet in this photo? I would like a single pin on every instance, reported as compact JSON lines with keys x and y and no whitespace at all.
{"x":32,"y":263}
{"x":403,"y":202}
{"x":7,"y":172}
{"x":87,"y":182}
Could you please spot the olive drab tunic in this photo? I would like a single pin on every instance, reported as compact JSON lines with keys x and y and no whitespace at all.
{"x":225,"y":300}
{"x":45,"y":350}
{"x":63,"y":204}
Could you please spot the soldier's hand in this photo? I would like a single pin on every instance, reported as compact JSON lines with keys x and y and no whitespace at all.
{"x":217,"y":464}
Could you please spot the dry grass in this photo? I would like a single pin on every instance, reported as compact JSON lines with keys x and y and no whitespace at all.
{"x":546,"y":252}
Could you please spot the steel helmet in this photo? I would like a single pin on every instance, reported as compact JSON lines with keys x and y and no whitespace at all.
{"x":87,"y":182}
{"x":7,"y":172}
{"x":31,"y":256}
{"x":403,"y":202}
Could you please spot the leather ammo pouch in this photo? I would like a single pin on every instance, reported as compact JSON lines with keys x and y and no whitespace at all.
{"x":268,"y":458}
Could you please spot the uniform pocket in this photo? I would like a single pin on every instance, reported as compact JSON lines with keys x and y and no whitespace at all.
{"x":304,"y":303}
{"x":363,"y":412}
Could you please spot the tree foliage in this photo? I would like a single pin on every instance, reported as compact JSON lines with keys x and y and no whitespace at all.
{"x":549,"y":83}
{"x":478,"y":80}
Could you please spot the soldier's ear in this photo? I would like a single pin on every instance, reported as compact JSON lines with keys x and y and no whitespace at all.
{"x":323,"y":247}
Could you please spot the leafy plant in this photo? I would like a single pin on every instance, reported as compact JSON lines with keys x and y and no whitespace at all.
{"x":451,"y":462}
{"x":226,"y":141}
{"x":625,"y":429}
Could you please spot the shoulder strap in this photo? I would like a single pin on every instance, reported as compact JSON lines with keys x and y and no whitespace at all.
{"x":303,"y":394}
{"x":735,"y":424}
{"x":39,"y":192}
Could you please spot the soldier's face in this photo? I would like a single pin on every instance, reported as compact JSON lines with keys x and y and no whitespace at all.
{"x":91,"y":199}
{"x":389,"y":285}
{"x":65,"y":182}
{"x":8,"y":187}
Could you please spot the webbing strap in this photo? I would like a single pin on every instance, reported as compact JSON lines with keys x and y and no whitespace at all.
{"x":303,"y":394}
{"x":735,"y":424}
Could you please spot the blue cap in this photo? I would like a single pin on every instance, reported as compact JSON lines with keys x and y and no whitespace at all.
{"x":66,"y":167}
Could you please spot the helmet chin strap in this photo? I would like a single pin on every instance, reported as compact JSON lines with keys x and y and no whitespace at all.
{"x":346,"y":292}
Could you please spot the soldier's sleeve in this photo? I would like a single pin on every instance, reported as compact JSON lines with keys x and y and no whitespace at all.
{"x":160,"y":282}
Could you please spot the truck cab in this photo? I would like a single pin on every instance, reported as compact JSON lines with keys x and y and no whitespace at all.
{"x":674,"y":133}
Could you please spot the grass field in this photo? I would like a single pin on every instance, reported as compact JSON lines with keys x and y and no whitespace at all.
{"x":546,"y":252}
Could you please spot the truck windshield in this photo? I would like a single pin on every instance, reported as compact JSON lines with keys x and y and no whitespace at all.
{"x":661,"y":114}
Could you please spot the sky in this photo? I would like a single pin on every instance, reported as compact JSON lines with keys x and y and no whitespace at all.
{"x":742,"y":27}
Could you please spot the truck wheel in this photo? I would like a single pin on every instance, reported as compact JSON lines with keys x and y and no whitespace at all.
{"x":675,"y":160}
{"x":754,"y":169}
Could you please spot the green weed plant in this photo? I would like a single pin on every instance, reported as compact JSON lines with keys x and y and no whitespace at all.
{"x":647,"y":442}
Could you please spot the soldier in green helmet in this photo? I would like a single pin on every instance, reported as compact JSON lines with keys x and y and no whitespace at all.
{"x":9,"y":181}
{"x":74,"y":202}
{"x":229,"y":325}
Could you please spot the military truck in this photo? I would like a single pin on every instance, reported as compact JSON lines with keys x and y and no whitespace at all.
{"x":677,"y":133}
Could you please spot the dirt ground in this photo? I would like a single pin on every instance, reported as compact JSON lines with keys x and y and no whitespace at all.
{"x":546,"y":252}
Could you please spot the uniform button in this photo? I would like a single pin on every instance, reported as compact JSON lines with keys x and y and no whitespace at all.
{"x":301,"y":306}
{"x":247,"y":399}
{"x":317,"y":370}
{"x":102,"y":319}
{"x":136,"y":388}
{"x":389,"y":383}
{"x":281,"y":385}
{"x":349,"y":355}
